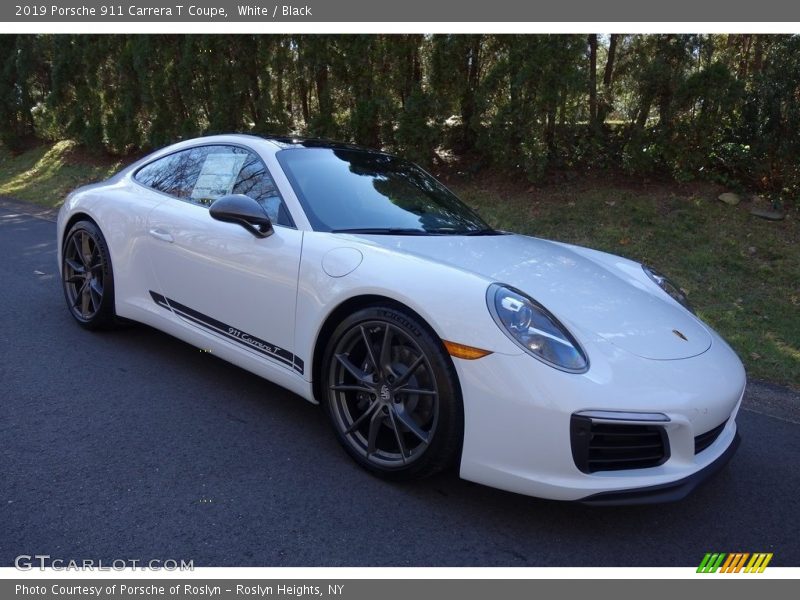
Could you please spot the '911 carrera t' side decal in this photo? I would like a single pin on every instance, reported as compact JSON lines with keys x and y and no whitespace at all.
{"x":247,"y":340}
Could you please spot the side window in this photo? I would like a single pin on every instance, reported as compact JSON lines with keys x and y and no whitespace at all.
{"x":201,"y":175}
{"x":255,"y":181}
{"x":174,"y":174}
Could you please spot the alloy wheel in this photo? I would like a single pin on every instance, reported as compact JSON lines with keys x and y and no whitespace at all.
{"x":83,"y":274}
{"x":383,"y":393}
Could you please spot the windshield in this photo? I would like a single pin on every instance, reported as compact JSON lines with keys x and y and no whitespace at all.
{"x":344,"y":190}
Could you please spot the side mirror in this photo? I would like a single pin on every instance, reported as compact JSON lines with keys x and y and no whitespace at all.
{"x":244,"y":211}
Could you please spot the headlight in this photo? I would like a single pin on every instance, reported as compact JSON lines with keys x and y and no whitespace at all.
{"x":668,"y":286}
{"x":534,"y":329}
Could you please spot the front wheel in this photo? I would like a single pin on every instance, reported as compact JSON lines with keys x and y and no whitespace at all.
{"x":392,"y":394}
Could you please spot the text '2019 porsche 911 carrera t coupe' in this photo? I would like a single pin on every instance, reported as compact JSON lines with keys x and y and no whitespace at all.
{"x":358,"y":281}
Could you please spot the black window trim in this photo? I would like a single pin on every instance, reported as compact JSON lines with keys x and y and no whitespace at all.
{"x":203,"y":145}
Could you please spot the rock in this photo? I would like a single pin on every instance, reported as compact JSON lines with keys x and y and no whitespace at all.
{"x":730,"y":198}
{"x":767,"y":213}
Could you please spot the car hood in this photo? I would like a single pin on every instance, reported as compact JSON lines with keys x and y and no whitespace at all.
{"x":600,"y":294}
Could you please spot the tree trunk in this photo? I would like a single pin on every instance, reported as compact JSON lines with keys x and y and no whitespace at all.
{"x":665,"y":87}
{"x":593,"y":79}
{"x":644,"y":111}
{"x":758,"y":57}
{"x":302,"y":89}
{"x":472,"y":58}
{"x":665,"y":107}
{"x":604,"y":107}
{"x":279,"y":87}
{"x":416,"y":63}
{"x":323,"y":98}
{"x":744,"y":56}
{"x":550,"y":131}
{"x":612,"y":53}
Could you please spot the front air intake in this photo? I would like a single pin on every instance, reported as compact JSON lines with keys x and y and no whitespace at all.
{"x":704,"y":440}
{"x":616,"y":446}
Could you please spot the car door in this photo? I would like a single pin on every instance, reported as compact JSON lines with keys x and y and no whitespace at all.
{"x":217,"y":276}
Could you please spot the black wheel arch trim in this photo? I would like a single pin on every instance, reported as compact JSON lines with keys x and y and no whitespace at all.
{"x":339,"y":312}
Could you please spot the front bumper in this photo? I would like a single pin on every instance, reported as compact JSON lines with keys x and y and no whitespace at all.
{"x":665,"y":492}
{"x":518,"y":413}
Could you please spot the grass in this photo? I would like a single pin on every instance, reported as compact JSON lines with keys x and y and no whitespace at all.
{"x":742,"y":273}
{"x":45,"y":174}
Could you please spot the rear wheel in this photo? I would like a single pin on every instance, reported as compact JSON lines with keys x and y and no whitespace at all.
{"x":392,"y":395}
{"x":87,"y":276}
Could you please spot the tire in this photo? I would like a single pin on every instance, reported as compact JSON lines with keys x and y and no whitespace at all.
{"x":87,"y":277}
{"x":391,"y":393}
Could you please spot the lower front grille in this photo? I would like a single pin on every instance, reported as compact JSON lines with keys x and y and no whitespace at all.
{"x":704,"y":440}
{"x":616,"y":446}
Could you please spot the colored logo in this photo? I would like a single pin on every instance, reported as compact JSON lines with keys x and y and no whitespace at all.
{"x":734,"y":562}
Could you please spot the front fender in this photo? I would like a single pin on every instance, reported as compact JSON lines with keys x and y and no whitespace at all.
{"x":450,"y":300}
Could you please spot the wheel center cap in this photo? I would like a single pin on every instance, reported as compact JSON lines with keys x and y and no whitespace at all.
{"x":386,"y":394}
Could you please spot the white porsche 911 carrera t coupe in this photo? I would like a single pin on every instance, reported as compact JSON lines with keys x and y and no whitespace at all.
{"x":356,"y":280}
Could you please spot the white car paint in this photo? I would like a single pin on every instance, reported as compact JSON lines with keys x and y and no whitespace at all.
{"x":282,"y":288}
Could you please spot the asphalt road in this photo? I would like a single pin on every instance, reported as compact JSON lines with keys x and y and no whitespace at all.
{"x":132,"y":445}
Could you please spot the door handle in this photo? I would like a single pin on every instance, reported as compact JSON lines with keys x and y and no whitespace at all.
{"x":162,"y":235}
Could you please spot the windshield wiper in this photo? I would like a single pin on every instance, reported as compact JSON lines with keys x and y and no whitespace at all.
{"x":445,"y":231}
{"x":412,"y":231}
{"x":487,"y":231}
{"x":382,"y":231}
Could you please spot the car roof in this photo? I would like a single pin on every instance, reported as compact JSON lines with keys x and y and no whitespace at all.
{"x":280,"y":142}
{"x":285,"y":142}
{"x":267,"y":143}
